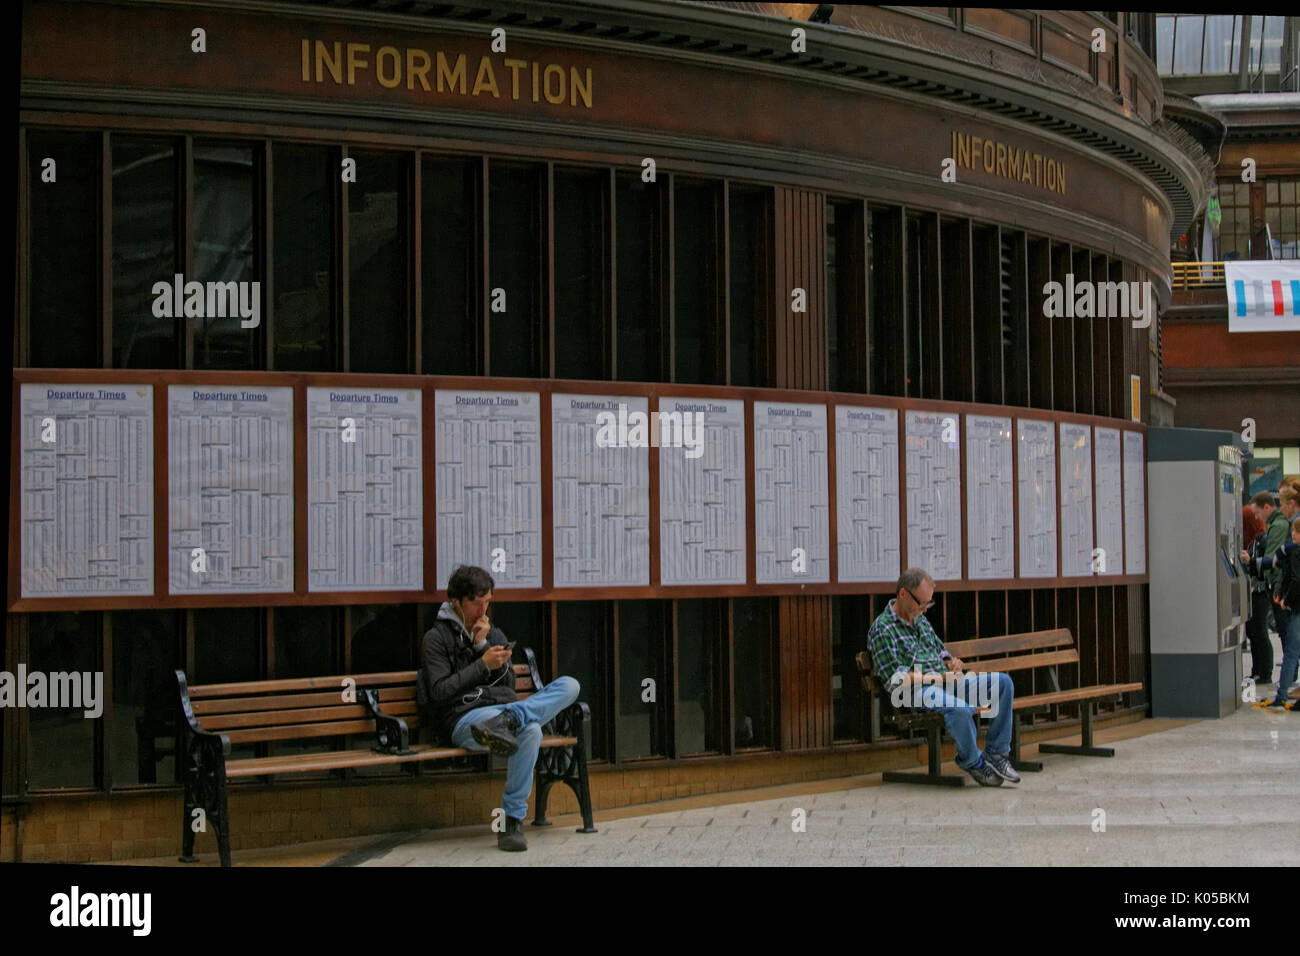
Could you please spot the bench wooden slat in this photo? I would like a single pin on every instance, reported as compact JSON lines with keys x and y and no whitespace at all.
{"x":1033,"y":640}
{"x":239,"y":705}
{"x":1074,"y":694}
{"x":332,"y":728}
{"x":337,"y":759}
{"x":249,"y":688}
{"x":1021,"y":662}
{"x":276,"y":718}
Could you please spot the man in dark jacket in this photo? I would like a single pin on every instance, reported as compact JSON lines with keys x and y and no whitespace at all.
{"x":469,"y":678}
{"x":1261,"y":563}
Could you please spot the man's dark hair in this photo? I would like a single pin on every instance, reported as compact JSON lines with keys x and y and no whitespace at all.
{"x":1262,"y":499}
{"x":468,"y":581}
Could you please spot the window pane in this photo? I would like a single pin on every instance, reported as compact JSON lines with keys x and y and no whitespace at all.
{"x":384,"y":638}
{"x":61,"y":740}
{"x":1187,"y":45}
{"x":63,"y":259}
{"x":450,"y":270}
{"x":527,"y":623}
{"x":581,"y":337}
{"x":1273,"y":44}
{"x":641,"y":262}
{"x":378,"y":333}
{"x":850,"y":618}
{"x":144,"y":252}
{"x":145,"y":654}
{"x":640,"y":652}
{"x":1270,"y":192}
{"x":1165,"y":44}
{"x":223,"y":252}
{"x":698,"y":273}
{"x":1218,"y":44}
{"x":753,"y":672}
{"x":305,"y":641}
{"x":750,"y":274}
{"x":227,"y":645}
{"x":515,"y":230}
{"x":304,"y":335}
{"x":700,"y":627}
{"x":580,"y":646}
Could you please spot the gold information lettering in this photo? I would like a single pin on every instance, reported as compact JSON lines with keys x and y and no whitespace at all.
{"x":499,"y":77}
{"x":1009,"y":162}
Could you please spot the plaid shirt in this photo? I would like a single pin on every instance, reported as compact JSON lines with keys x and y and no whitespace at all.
{"x":897,"y":646}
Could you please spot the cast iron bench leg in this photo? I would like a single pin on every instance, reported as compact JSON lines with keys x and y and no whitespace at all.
{"x":1085,"y":747}
{"x":933,"y":775}
{"x":1028,"y":765}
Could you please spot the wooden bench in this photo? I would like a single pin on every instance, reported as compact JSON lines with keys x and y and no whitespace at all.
{"x":1007,"y":654}
{"x":215,"y":716}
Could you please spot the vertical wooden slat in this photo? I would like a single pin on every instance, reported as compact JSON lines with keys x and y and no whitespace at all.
{"x":184,"y":327}
{"x":106,"y":249}
{"x":268,"y":256}
{"x":342,"y":284}
{"x":416,"y":269}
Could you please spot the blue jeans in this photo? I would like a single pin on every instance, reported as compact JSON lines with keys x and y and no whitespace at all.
{"x":959,"y":708}
{"x":1290,"y":654}
{"x":531,"y":712}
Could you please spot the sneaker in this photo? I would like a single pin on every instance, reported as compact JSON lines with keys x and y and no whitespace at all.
{"x":512,"y":838}
{"x":1275,"y":703}
{"x":984,"y":774}
{"x":498,"y":734}
{"x":1001,"y":764}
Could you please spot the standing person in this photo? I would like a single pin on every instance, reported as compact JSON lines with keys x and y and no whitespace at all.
{"x":904,"y":646}
{"x":470,"y":682}
{"x":1260,"y":564}
{"x":1288,"y":559}
{"x":1261,"y":645}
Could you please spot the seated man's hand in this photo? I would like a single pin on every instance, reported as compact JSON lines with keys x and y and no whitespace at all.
{"x":954,"y":664}
{"x":495,"y":656}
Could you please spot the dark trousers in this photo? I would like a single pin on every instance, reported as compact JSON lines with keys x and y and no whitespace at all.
{"x":1261,"y":648}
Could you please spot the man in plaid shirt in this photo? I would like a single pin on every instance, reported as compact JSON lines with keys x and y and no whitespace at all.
{"x":906,"y":653}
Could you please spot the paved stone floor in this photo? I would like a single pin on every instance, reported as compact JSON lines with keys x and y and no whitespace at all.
{"x":1209,"y":792}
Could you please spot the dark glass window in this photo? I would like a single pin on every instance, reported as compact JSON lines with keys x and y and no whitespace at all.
{"x":61,"y":740}
{"x":227,"y":645}
{"x":851,"y":618}
{"x":641,"y":725}
{"x":846,"y":321}
{"x":144,"y":252}
{"x":701,"y":628}
{"x":378,"y":265}
{"x":304,"y":212}
{"x":516,"y":229}
{"x":305,"y":641}
{"x":751,"y":274}
{"x":527,"y":623}
{"x":63,"y":252}
{"x":384,"y":638}
{"x":641,"y":268}
{"x":449,"y":272}
{"x":697,"y":265}
{"x":580,"y":638}
{"x":885,"y":280}
{"x":581,"y":330}
{"x":224,"y":182}
{"x":146,"y":652}
{"x":752,"y":632}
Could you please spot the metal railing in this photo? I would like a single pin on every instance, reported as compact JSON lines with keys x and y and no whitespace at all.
{"x":1198,"y":275}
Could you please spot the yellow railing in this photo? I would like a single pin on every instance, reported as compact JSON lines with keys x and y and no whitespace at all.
{"x":1198,"y":275}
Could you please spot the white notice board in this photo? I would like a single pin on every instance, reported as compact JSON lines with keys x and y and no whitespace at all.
{"x":1110,"y":495}
{"x":1135,"y":492}
{"x":229,"y":489}
{"x":933,"y":448}
{"x":86,"y":490}
{"x":791,"y":494}
{"x":365,"y":490}
{"x":702,"y":492}
{"x":1076,"y":499}
{"x":866,"y":493}
{"x":600,"y":491}
{"x":488,"y":456}
{"x":1036,"y":464}
{"x":990,"y":525}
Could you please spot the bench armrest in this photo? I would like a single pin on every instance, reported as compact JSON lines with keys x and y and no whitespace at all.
{"x":574,"y":721}
{"x":391,"y":733}
{"x":191,"y":722}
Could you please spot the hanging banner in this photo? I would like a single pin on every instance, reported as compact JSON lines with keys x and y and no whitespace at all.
{"x":1263,"y":296}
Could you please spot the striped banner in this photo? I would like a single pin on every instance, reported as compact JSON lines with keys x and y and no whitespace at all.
{"x":1263,"y":296}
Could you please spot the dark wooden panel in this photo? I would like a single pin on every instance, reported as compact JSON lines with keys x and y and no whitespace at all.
{"x":1062,"y":337}
{"x":987,"y":305}
{"x":956,"y":304}
{"x":1101,"y":330}
{"x":1040,"y":327}
{"x":1083,"y":384}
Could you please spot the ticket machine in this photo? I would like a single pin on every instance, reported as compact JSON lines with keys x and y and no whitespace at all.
{"x":1199,"y":591}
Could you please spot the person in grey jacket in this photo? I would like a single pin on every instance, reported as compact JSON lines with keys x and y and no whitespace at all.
{"x":469,"y":679}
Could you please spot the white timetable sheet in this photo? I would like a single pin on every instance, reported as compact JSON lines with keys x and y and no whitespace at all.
{"x":86,"y":455}
{"x":866,"y":493}
{"x":229,"y":488}
{"x":600,"y":493}
{"x":990,"y":502}
{"x":934,"y":493}
{"x":702,"y":493}
{"x":1135,"y":492}
{"x":1110,"y":496}
{"x":365,"y":494}
{"x":488,"y":455}
{"x":1076,"y":499}
{"x":791,"y":494}
{"x":1036,"y":460}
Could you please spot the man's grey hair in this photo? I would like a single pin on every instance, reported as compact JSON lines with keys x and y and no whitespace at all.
{"x":912,"y":578}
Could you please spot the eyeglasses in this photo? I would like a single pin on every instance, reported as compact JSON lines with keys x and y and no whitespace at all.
{"x":923,"y":607}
